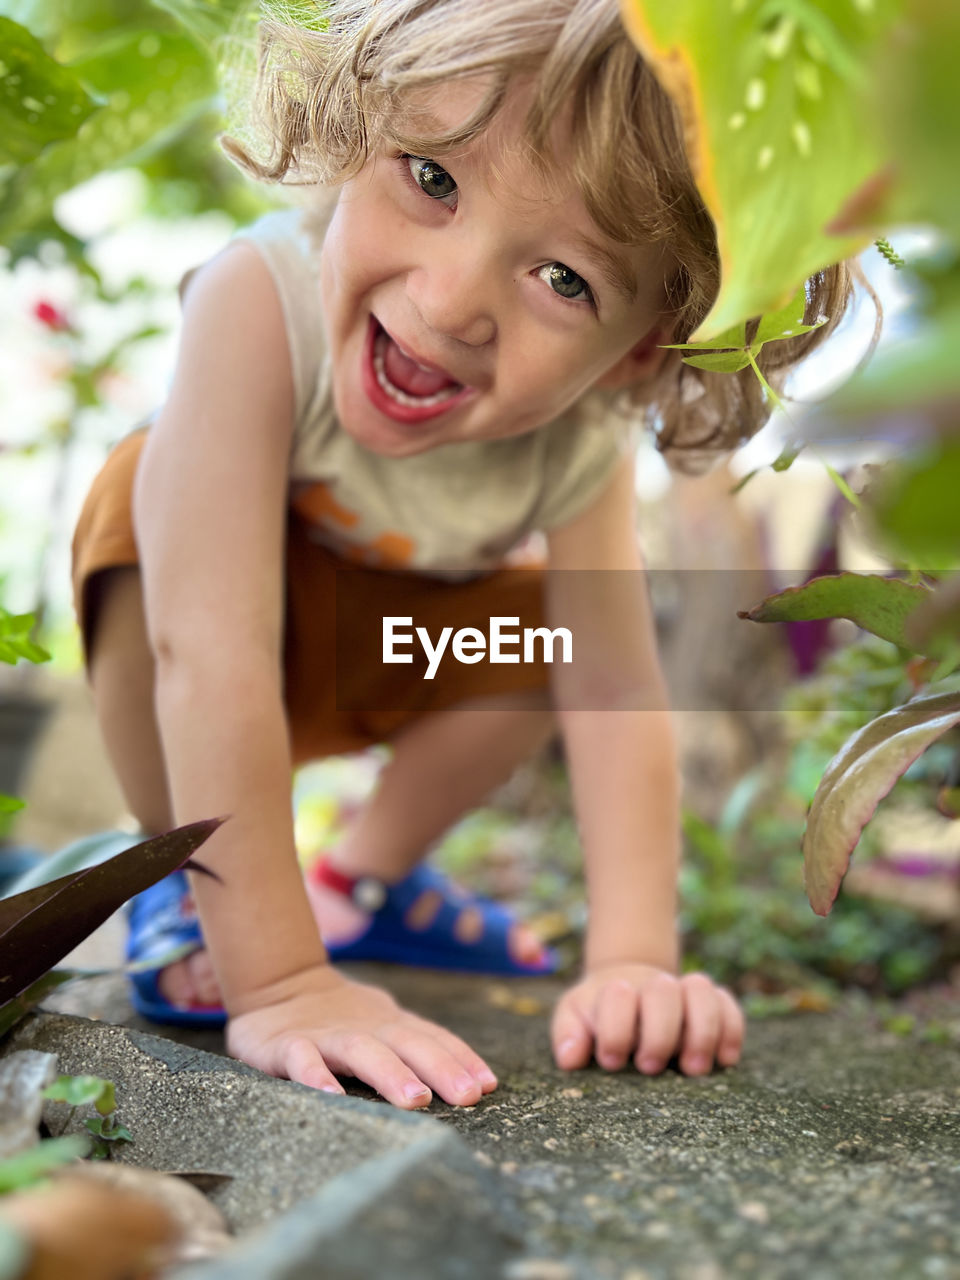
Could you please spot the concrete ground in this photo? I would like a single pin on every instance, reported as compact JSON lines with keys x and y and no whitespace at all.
{"x":832,"y":1150}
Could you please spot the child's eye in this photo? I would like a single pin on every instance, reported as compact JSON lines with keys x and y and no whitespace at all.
{"x":565,"y":282}
{"x":432,"y":180}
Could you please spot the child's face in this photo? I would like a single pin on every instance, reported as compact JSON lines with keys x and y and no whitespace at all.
{"x":472,"y":266}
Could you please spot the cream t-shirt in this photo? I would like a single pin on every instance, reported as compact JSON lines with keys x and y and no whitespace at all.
{"x":456,"y":509}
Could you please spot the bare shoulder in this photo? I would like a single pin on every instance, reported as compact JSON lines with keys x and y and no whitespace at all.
{"x":238,"y":270}
{"x":231,"y":303}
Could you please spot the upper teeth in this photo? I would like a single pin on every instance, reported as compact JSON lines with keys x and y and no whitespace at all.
{"x":395,"y":393}
{"x":425,"y":367}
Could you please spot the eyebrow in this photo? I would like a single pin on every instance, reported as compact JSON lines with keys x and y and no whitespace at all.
{"x":616,"y":270}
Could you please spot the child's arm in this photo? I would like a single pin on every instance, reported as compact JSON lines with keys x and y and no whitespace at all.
{"x":210,"y":510}
{"x":626,"y":791}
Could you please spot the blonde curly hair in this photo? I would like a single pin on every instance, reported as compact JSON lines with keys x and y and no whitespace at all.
{"x":334,"y":79}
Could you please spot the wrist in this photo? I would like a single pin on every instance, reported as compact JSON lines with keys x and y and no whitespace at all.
{"x":663,"y":964}
{"x":656,"y":953}
{"x":314,"y":978}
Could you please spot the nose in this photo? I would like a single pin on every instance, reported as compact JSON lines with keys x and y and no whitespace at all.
{"x":454,"y":290}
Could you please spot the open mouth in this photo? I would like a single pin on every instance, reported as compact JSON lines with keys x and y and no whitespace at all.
{"x":402,"y":388}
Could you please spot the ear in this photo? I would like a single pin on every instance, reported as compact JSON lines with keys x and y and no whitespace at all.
{"x":641,"y":362}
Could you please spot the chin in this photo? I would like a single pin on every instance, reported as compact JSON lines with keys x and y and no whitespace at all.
{"x":382,"y":438}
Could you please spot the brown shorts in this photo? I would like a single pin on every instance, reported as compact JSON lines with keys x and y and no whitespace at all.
{"x":339,"y":694}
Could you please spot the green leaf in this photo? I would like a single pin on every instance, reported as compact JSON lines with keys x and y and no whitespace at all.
{"x":711,"y":846}
{"x":26,"y":1168}
{"x":10,"y":804}
{"x":787,"y":456}
{"x":105,"y":1128}
{"x":14,"y":639}
{"x":745,"y":480}
{"x":915,"y":102}
{"x":40,"y":101}
{"x":78,"y":1091}
{"x":781,"y":126}
{"x":69,"y":28}
{"x":778,"y":325}
{"x":208,"y":20}
{"x":720,"y":361}
{"x":880,"y":605}
{"x":15,"y":625}
{"x":735,"y":337}
{"x":915,"y":503}
{"x":857,"y":779}
{"x":39,"y":926}
{"x":938,"y":623}
{"x":785,"y":323}
{"x":842,"y":486}
{"x":901,"y":1024}
{"x":28,"y":246}
{"x":106,"y":1104}
{"x":153,"y":83}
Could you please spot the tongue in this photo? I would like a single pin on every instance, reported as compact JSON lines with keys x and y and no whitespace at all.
{"x":409,"y":377}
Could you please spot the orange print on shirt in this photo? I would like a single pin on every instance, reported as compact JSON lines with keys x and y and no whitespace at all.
{"x":389,"y":550}
{"x":318,"y":505}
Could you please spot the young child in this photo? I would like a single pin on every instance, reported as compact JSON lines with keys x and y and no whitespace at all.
{"x":374,"y":403}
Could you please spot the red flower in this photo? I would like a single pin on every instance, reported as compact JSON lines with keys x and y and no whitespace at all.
{"x":49,"y":315}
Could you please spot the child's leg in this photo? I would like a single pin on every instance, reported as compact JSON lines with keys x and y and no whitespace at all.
{"x":443,"y":766}
{"x":121,"y":676}
{"x":121,"y":672}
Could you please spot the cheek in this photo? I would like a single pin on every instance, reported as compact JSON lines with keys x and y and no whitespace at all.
{"x":356,"y":248}
{"x":544,"y":384}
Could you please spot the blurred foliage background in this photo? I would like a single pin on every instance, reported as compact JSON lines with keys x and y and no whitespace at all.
{"x":94,"y":92}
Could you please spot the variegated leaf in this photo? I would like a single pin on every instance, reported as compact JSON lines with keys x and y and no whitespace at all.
{"x":856,"y":780}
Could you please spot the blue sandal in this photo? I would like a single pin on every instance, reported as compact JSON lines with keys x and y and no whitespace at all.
{"x":389,"y":937}
{"x":164,"y":927}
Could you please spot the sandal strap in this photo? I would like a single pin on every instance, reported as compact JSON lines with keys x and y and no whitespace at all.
{"x":366,"y":892}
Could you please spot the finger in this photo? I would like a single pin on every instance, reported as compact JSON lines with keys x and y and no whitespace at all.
{"x":460,"y":1050}
{"x":303,"y":1062}
{"x":701,"y":1024}
{"x":661,"y":1023}
{"x":571,"y":1037}
{"x":433,"y":1063}
{"x":733,"y":1029}
{"x":367,"y":1058}
{"x":615,"y":1023}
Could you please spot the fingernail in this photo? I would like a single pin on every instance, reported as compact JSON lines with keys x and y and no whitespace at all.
{"x":649,"y":1066}
{"x":487,"y":1077}
{"x":698,"y":1064}
{"x":412,"y":1091}
{"x":332,"y":1088}
{"x":566,"y":1046}
{"x":465,"y":1084}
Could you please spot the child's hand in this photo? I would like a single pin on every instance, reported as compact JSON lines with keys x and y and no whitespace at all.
{"x":621,"y":1010}
{"x":317,"y":1024}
